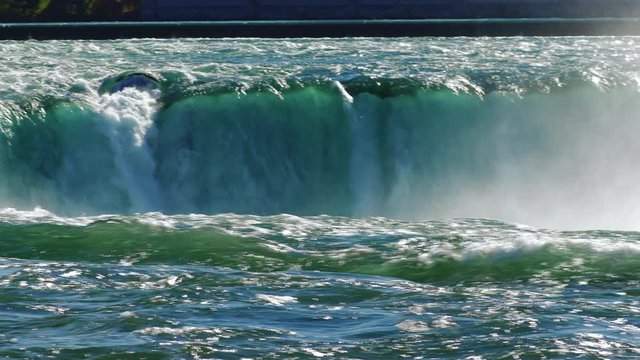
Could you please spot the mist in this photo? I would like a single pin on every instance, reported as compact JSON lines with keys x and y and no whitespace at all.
{"x":567,"y":160}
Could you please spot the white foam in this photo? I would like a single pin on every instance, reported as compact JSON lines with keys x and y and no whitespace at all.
{"x":347,"y":97}
{"x":158,"y":330}
{"x":413,"y":326}
{"x":277,"y":300}
{"x":40,"y":215}
{"x":128,"y":123}
{"x":317,"y":353}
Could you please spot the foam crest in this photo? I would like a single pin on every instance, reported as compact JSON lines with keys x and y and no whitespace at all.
{"x":41,"y":216}
{"x":466,"y":65}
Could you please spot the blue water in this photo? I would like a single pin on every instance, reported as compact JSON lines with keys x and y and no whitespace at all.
{"x":340,"y":198}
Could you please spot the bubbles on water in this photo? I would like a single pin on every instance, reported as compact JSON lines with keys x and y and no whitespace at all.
{"x":413,"y":326}
{"x":510,"y":63}
{"x":276,"y":300}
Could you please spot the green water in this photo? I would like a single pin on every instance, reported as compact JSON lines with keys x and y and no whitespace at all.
{"x":338,"y":198}
{"x":229,"y":286}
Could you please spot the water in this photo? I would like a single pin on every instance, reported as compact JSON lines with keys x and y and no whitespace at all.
{"x":338,"y":198}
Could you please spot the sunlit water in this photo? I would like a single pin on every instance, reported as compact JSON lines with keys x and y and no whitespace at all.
{"x":320,"y":198}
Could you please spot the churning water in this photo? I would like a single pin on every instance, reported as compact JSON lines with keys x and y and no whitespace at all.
{"x":338,"y":198}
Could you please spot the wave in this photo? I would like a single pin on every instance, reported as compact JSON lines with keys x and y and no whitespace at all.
{"x":563,"y":159}
{"x":461,"y":251}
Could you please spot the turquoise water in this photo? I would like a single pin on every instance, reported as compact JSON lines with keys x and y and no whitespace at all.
{"x":339,"y":198}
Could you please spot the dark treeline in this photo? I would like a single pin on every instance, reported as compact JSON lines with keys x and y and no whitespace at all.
{"x":68,"y":10}
{"x":212,"y":10}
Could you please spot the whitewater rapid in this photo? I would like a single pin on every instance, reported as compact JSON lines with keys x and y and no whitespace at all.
{"x":338,"y":198}
{"x":540,"y":133}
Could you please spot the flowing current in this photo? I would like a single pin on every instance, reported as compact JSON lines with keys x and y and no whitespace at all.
{"x":337,"y":198}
